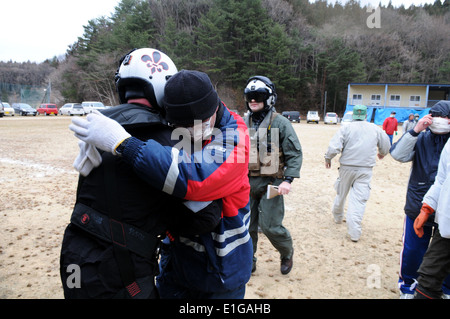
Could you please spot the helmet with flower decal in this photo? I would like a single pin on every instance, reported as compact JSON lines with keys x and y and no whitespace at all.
{"x":143,"y":73}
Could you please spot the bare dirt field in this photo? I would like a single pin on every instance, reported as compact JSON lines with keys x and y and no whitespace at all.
{"x":37,"y":192}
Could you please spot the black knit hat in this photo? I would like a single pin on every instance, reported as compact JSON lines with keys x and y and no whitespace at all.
{"x":441,"y":109}
{"x":189,"y":96}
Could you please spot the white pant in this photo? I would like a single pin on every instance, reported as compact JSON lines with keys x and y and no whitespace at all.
{"x":355,"y":180}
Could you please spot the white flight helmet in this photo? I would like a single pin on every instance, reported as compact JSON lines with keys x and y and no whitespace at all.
{"x":260,"y":89}
{"x":143,"y":73}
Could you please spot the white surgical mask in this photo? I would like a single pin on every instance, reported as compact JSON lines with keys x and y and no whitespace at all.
{"x":440,"y":125}
{"x":202,"y":130}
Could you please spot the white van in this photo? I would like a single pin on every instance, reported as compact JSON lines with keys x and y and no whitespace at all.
{"x":89,"y":106}
{"x":312,"y":116}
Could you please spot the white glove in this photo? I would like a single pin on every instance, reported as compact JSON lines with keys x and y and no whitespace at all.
{"x":88,"y":159}
{"x":99,"y":131}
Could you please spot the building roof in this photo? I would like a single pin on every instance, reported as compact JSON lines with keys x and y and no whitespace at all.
{"x":402,"y":84}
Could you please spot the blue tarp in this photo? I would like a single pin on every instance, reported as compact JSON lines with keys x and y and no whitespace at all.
{"x":380,"y":114}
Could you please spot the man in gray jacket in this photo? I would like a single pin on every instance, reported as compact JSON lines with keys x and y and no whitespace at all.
{"x":359,"y":143}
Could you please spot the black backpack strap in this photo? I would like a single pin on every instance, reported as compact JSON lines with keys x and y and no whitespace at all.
{"x":98,"y":225}
{"x":121,"y":252}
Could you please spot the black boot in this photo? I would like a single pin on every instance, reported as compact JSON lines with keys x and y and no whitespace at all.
{"x":423,"y":294}
{"x":286,"y":264}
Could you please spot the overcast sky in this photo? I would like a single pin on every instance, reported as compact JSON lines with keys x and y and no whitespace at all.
{"x":36,"y":30}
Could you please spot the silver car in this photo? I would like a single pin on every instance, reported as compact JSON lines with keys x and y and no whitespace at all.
{"x":8,"y":109}
{"x":348,"y":117}
{"x":71,"y":109}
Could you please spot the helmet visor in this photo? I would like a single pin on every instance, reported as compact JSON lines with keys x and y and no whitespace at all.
{"x":258,"y":96}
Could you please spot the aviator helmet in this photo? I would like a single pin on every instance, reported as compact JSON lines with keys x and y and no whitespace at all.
{"x":143,"y":73}
{"x":260,"y":89}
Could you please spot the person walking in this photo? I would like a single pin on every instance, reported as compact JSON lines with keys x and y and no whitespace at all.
{"x":359,"y":144}
{"x":422,"y":146}
{"x":390,"y":125}
{"x":409,"y":124}
{"x":275,"y":160}
{"x":435,"y":267}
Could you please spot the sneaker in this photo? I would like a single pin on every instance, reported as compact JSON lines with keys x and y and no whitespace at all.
{"x":406,"y":296}
{"x":337,"y":219}
{"x":353,"y":239}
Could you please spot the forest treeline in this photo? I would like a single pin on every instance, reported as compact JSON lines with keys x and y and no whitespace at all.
{"x":306,"y":48}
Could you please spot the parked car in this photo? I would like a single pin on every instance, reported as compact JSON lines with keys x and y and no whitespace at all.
{"x":24,"y":109}
{"x":347,"y":118}
{"x":71,"y":109}
{"x":89,"y":106}
{"x":312,"y":116}
{"x":292,"y":116}
{"x":2,"y":111}
{"x":330,"y":118}
{"x":8,"y":109}
{"x":47,"y":109}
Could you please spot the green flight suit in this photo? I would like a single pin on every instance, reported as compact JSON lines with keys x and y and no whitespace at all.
{"x":266,"y":213}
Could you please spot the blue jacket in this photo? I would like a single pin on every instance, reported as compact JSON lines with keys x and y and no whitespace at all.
{"x":424,"y":150}
{"x":220,"y":260}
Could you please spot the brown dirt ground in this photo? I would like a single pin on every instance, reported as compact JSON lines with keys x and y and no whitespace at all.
{"x":37,"y":192}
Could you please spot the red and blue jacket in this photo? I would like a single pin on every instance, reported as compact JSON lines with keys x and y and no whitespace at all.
{"x":222,"y":259}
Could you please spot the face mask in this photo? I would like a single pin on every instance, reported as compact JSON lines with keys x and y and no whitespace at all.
{"x":440,"y":126}
{"x":203,"y":131}
{"x":208,"y":127}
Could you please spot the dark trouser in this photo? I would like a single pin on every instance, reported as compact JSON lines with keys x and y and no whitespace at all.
{"x":414,"y":248}
{"x":435,"y":267}
{"x":174,"y":282}
{"x":268,"y":214}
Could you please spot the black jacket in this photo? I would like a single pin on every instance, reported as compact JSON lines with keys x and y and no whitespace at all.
{"x":96,"y":235}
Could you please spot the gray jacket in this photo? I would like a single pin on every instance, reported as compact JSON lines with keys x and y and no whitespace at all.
{"x":358,"y":142}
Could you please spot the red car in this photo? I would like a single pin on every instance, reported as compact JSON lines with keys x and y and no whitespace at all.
{"x":47,"y":109}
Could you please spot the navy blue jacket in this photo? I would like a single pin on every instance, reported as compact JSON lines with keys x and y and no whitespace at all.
{"x":424,"y":150}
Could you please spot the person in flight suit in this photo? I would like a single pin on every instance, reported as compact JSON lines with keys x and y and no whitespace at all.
{"x":275,"y":159}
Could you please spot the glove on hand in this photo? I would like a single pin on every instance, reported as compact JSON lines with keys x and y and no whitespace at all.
{"x":99,"y":131}
{"x":88,"y":159}
{"x":420,"y":220}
